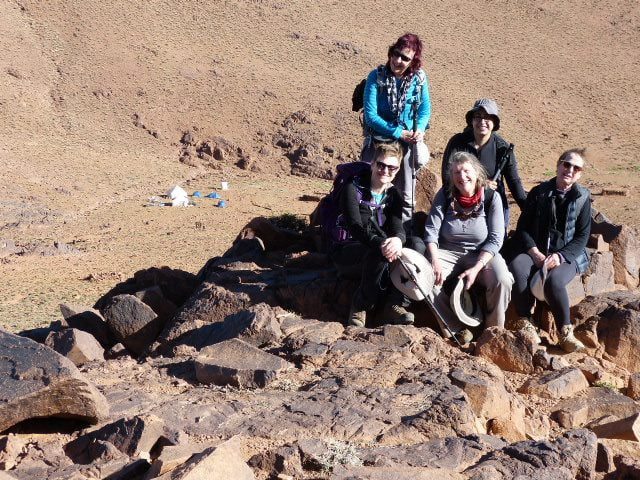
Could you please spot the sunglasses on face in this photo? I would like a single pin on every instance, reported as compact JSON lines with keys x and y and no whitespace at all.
{"x":479,"y":117}
{"x":569,"y":166}
{"x":381,"y":166}
{"x":401,"y":56}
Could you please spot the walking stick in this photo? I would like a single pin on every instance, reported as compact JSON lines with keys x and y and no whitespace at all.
{"x":441,"y":321}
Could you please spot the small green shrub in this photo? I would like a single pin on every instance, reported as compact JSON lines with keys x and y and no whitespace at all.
{"x":289,"y":221}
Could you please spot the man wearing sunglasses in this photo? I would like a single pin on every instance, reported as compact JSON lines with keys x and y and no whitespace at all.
{"x":552,"y":235}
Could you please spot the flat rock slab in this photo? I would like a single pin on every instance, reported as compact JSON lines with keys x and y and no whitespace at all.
{"x":37,"y":382}
{"x":223,"y":462}
{"x":561,"y":384}
{"x":78,"y":346}
{"x":569,"y":457}
{"x":235,"y":362}
{"x":592,"y":404}
{"x":131,"y":436}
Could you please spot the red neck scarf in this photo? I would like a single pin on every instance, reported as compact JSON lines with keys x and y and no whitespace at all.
{"x":468,"y":202}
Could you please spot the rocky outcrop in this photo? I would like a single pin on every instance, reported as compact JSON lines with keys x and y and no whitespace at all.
{"x":78,"y":346}
{"x":37,"y":382}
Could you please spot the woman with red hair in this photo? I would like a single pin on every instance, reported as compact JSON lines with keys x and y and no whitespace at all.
{"x":397,"y":108}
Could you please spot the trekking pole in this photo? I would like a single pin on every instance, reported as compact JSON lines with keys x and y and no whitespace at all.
{"x":431,"y":305}
{"x":414,"y":156}
{"x":503,"y":162}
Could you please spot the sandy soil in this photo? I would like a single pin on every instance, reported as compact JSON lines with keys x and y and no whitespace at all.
{"x":96,"y":96}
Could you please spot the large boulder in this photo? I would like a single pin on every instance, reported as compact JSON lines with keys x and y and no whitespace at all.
{"x":511,"y":351}
{"x":78,"y":346}
{"x":134,"y":323}
{"x":132,"y":436}
{"x":88,"y":320}
{"x":592,"y":404}
{"x":235,"y":362}
{"x":37,"y":382}
{"x":619,"y":332}
{"x":223,"y":462}
{"x":626,"y":257}
{"x":570,"y":457}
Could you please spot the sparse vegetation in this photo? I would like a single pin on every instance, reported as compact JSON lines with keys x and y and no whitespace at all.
{"x":339,"y":453}
{"x":289,"y":221}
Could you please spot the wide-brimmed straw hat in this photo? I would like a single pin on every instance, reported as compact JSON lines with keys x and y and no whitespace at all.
{"x":465,"y":305}
{"x":421,"y":270}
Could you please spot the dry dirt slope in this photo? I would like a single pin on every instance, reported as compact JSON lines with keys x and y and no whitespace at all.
{"x":77,"y":168}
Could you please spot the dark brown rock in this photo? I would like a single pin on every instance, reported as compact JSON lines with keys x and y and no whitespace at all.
{"x":235,"y":362}
{"x":511,"y":351}
{"x":571,"y":456}
{"x":619,"y":331}
{"x":88,"y":320}
{"x":131,"y":436}
{"x":625,"y":248}
{"x":35,"y":382}
{"x":258,"y":325}
{"x":134,"y":323}
{"x":153,"y":296}
{"x":78,"y":346}
{"x":209,"y":304}
{"x":599,"y":276}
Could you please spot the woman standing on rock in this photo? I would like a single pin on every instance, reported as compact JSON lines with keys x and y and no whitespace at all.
{"x":464,"y":234}
{"x":480,"y":139}
{"x":552,"y":235}
{"x":372,"y":212}
{"x":397,"y":108}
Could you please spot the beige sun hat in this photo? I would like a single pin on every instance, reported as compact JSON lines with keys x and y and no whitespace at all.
{"x":465,"y":305}
{"x":421,"y":270}
{"x":536,"y":284}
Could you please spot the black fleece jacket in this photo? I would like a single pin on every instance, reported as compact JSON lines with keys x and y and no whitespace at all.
{"x":362,"y":222}
{"x":464,"y":142}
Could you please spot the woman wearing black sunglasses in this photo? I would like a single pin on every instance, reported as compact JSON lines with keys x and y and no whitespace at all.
{"x":371,"y":211}
{"x":552,"y":236}
{"x":397,"y":108}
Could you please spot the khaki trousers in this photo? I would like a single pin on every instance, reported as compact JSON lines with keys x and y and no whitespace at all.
{"x":495,"y":278}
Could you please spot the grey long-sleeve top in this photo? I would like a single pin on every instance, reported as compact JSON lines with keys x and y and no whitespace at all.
{"x":482,"y":232}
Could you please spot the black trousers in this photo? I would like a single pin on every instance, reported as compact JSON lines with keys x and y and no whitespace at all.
{"x":355,"y":260}
{"x":555,"y":288}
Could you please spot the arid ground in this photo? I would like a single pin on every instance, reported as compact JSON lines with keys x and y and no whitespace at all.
{"x":96,"y":96}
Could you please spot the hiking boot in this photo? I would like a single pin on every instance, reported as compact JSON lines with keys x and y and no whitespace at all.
{"x":397,"y":315}
{"x":526,"y":326}
{"x":568,"y":342}
{"x":357,"y":318}
{"x":464,"y":336}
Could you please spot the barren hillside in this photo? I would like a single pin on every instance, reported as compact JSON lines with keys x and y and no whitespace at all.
{"x":96,"y":97}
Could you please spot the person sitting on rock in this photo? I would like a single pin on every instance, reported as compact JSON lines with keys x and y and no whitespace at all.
{"x":464,"y":233}
{"x":378,"y":237}
{"x":552,"y":232}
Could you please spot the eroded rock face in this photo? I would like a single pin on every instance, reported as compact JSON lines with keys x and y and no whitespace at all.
{"x":78,"y":346}
{"x":234,"y":362}
{"x":619,"y":331}
{"x":572,"y":456}
{"x":37,"y":382}
{"x":134,"y":323}
{"x":511,"y":351}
